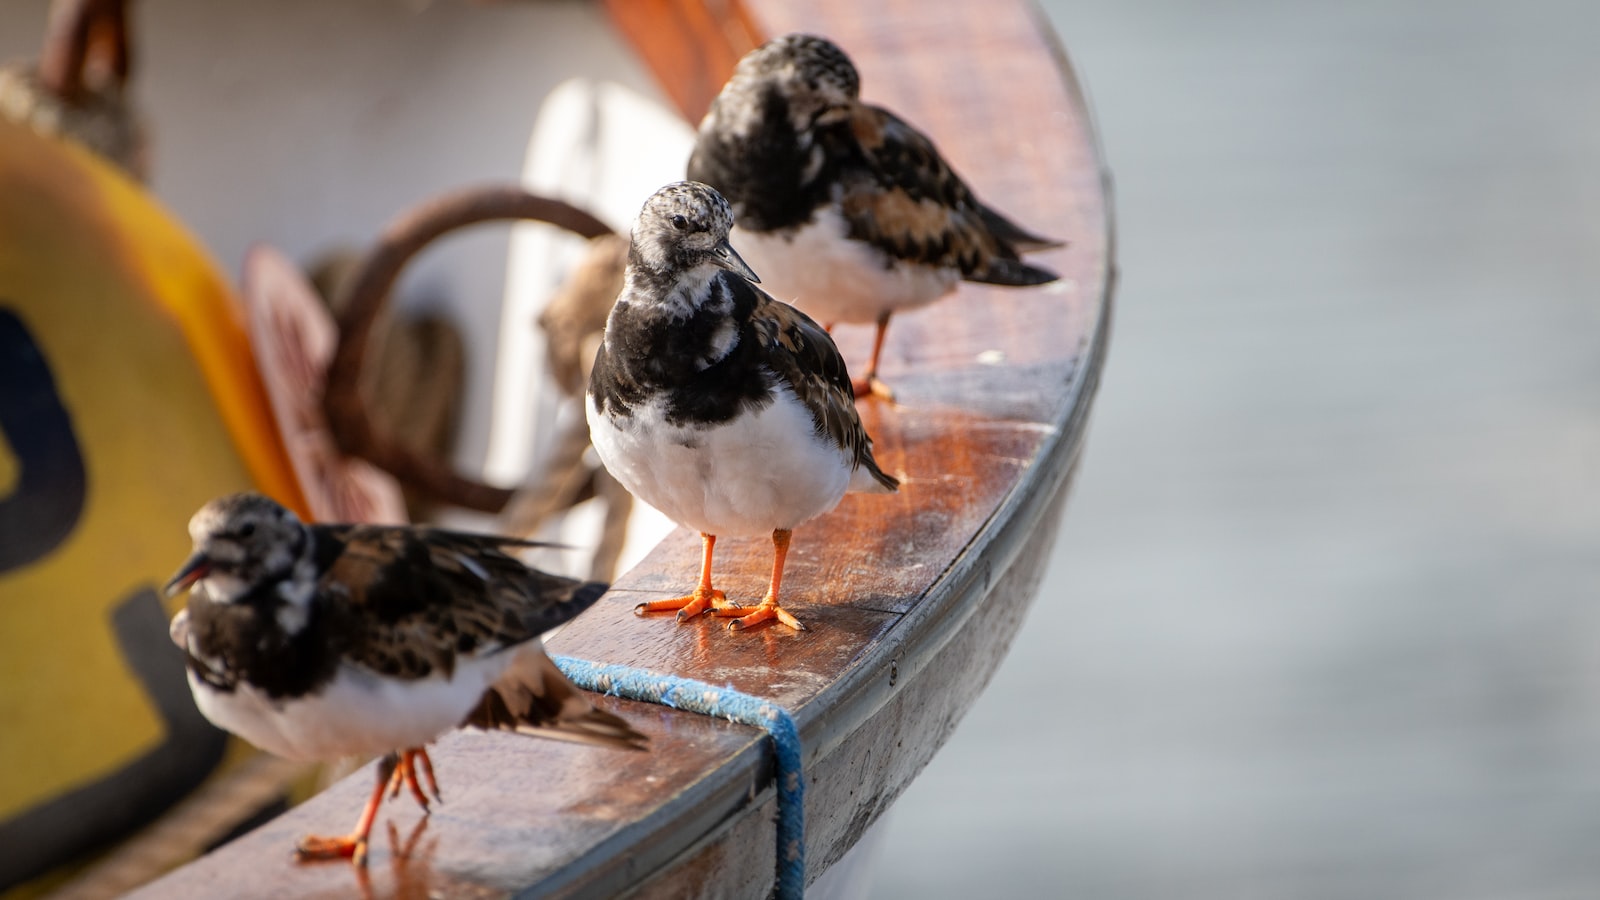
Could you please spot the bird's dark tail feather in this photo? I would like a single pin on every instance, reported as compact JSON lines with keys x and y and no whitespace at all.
{"x":1015,"y":236}
{"x":1013,"y":272}
{"x":533,"y":697}
{"x":881,"y":482}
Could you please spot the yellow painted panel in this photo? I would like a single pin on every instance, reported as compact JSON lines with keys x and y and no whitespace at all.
{"x":8,"y":467}
{"x":142,"y":338}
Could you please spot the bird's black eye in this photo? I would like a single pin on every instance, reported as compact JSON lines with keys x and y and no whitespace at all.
{"x":680,"y":223}
{"x":247,"y":529}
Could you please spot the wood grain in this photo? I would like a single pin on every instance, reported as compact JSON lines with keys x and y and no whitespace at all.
{"x":911,"y":599}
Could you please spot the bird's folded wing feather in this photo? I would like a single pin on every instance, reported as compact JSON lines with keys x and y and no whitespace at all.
{"x":532,"y":696}
{"x":903,"y":198}
{"x":417,"y":599}
{"x":805,"y":357}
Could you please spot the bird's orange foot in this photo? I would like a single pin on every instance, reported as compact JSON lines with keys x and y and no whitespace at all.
{"x":871,"y":386}
{"x":750,"y":616}
{"x":687,"y":607}
{"x":352,"y":847}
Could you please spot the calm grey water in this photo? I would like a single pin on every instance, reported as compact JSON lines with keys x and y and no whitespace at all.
{"x":1324,"y":618}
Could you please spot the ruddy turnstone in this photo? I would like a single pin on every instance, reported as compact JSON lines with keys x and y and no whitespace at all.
{"x":729,"y":411}
{"x":847,"y":211}
{"x":319,"y":641}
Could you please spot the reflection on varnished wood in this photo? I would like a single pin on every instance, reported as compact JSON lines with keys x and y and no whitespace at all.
{"x":409,"y":866}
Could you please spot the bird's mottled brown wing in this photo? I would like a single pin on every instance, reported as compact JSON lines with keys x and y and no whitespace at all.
{"x":903,"y":198}
{"x":411,"y":601}
{"x":801,"y":353}
{"x":532,"y":696}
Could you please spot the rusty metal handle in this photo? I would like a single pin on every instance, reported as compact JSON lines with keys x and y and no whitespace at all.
{"x":369,"y":286}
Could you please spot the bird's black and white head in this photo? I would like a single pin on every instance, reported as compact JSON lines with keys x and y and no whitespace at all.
{"x":811,"y":74}
{"x":241,"y":542}
{"x":681,"y":237}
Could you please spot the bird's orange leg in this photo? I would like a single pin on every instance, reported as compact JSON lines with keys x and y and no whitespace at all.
{"x":406,"y":773}
{"x":768,"y":608}
{"x":704,"y":597}
{"x":353,"y":845}
{"x":421,"y":755}
{"x":870,"y":385}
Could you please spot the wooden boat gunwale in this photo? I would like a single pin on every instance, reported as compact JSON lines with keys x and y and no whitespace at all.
{"x":834,"y":715}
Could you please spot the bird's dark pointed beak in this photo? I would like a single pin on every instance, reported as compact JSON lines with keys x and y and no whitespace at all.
{"x":194,"y":569}
{"x":725,"y":256}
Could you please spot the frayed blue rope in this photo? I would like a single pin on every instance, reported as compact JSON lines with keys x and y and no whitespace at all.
{"x":724,"y":703}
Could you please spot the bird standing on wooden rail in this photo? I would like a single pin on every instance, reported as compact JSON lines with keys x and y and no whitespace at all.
{"x":729,"y":411}
{"x":319,"y":641}
{"x":847,"y":211}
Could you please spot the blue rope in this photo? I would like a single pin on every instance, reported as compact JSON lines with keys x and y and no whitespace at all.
{"x":724,"y":703}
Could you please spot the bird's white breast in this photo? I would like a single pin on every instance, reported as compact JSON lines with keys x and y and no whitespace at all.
{"x":761,"y":471}
{"x":835,"y":278}
{"x":358,"y":713}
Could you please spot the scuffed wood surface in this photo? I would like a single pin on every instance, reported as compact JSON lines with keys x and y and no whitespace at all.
{"x":880,"y":760}
{"x":911,"y":599}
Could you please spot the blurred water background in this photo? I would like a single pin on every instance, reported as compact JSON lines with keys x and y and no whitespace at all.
{"x":1324,"y":616}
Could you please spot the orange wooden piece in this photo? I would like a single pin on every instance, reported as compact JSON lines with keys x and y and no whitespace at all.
{"x":690,"y":45}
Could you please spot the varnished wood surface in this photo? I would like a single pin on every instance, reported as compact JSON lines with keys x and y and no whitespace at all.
{"x":911,"y":599}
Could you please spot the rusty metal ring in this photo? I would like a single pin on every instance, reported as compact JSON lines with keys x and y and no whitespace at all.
{"x":368,"y":289}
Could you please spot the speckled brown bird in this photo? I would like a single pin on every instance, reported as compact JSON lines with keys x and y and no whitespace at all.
{"x":847,"y":211}
{"x":729,"y":411}
{"x":320,"y":641}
